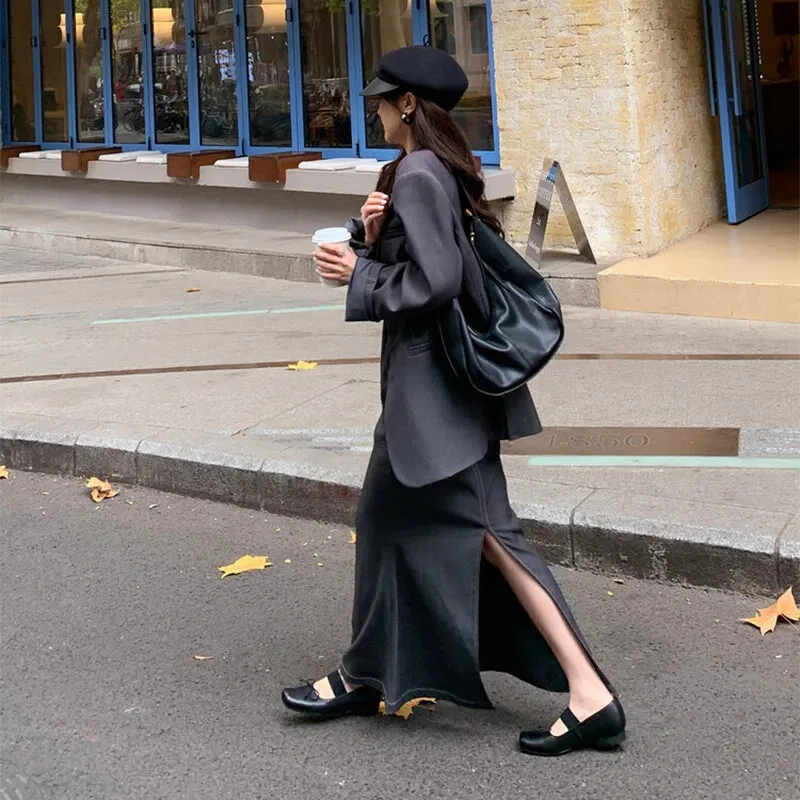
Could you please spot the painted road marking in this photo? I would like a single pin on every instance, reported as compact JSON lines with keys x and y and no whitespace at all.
{"x":690,"y":462}
{"x":214,"y":314}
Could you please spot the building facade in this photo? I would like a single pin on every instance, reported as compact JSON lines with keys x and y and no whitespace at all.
{"x":620,"y":92}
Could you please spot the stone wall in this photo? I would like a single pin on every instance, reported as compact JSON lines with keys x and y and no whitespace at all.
{"x":616,"y":90}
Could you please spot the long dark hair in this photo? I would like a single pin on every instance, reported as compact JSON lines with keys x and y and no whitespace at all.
{"x":437,"y":131}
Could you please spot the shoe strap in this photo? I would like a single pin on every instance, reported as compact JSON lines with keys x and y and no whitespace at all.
{"x":570,"y":720}
{"x":337,"y":684}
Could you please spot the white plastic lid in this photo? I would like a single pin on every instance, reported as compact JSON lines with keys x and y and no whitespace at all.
{"x":331,"y":236}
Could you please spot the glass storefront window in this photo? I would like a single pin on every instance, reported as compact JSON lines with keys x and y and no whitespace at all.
{"x":385,"y":26}
{"x":326,"y":87}
{"x":268,"y":74}
{"x":216,"y":61}
{"x":52,"y":37}
{"x":20,"y":23}
{"x":89,"y":71}
{"x":126,"y":72}
{"x":200,"y":74}
{"x":461,"y":28}
{"x":168,"y":26}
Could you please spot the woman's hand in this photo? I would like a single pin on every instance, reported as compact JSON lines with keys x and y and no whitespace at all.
{"x":334,"y":262}
{"x":373,"y":214}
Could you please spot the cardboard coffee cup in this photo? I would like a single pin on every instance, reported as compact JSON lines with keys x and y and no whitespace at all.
{"x":337,"y":236}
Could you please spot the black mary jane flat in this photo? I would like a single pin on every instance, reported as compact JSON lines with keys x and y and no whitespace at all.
{"x":361,"y":702}
{"x":604,"y":730}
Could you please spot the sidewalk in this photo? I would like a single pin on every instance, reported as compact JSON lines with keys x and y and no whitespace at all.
{"x":281,"y":250}
{"x":115,"y":369}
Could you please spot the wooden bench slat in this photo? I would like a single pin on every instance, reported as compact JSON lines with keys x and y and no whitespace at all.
{"x":271,"y":167}
{"x":187,"y":164}
{"x":12,"y":151}
{"x":78,"y":160}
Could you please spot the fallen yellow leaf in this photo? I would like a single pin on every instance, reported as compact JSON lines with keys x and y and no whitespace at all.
{"x":405,"y":711}
{"x":100,"y":490}
{"x":3,"y":471}
{"x":352,"y":537}
{"x":203,"y":658}
{"x":766,"y":619}
{"x":787,"y":607}
{"x":245,"y":564}
{"x":301,"y":365}
{"x":98,"y":496}
{"x":765,"y":623}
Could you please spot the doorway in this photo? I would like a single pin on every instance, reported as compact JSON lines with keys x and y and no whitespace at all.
{"x":754,"y":76}
{"x":778,"y":28}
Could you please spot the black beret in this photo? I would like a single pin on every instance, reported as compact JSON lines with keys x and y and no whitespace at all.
{"x":427,"y":72}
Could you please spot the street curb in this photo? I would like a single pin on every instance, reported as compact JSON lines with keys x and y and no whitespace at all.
{"x":216,"y":258}
{"x":620,"y":534}
{"x":570,"y":280}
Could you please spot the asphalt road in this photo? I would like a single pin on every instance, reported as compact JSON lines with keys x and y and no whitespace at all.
{"x":104,"y":608}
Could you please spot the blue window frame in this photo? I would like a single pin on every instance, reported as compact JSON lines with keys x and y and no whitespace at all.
{"x":169,"y":78}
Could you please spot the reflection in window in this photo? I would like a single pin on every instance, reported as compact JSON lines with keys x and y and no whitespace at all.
{"x":89,"y":71}
{"x":326,"y":89}
{"x":168,"y":26}
{"x":478,"y":30}
{"x":442,"y":30}
{"x":268,"y":74}
{"x":52,"y":17}
{"x":461,"y":29}
{"x":746,"y":122}
{"x":385,"y":26}
{"x":216,"y":61}
{"x":126,"y":72}
{"x":23,"y":127}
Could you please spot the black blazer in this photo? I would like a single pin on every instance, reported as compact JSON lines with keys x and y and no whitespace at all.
{"x":435,"y":425}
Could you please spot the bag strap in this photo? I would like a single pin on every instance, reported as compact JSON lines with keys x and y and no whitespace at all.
{"x":467,"y":208}
{"x":474,"y":297}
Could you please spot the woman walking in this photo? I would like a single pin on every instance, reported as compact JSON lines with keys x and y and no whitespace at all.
{"x":446,"y":585}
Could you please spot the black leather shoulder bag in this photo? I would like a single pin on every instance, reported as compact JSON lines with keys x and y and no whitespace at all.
{"x":525,"y":326}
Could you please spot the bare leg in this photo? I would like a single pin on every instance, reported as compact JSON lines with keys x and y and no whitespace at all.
{"x":325,"y":691}
{"x":588,"y":693}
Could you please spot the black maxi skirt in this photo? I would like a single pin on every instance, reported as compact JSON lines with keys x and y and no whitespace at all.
{"x":429,"y":613}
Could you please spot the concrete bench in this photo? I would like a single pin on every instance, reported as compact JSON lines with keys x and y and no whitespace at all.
{"x":336,"y":164}
{"x":78,"y":160}
{"x":187,"y":165}
{"x":153,"y":157}
{"x":127,"y":155}
{"x":13,"y":151}
{"x":271,"y":167}
{"x":241,"y":162}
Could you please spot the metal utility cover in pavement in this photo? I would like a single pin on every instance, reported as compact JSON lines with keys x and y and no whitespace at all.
{"x":626,"y":441}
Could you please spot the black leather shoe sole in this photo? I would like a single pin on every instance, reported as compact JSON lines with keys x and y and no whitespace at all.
{"x":362,"y":702}
{"x":566,"y":744}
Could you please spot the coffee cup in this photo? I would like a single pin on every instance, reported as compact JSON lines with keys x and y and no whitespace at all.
{"x":335,"y":236}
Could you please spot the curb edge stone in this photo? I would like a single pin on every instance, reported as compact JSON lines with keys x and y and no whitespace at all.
{"x":278,"y":486}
